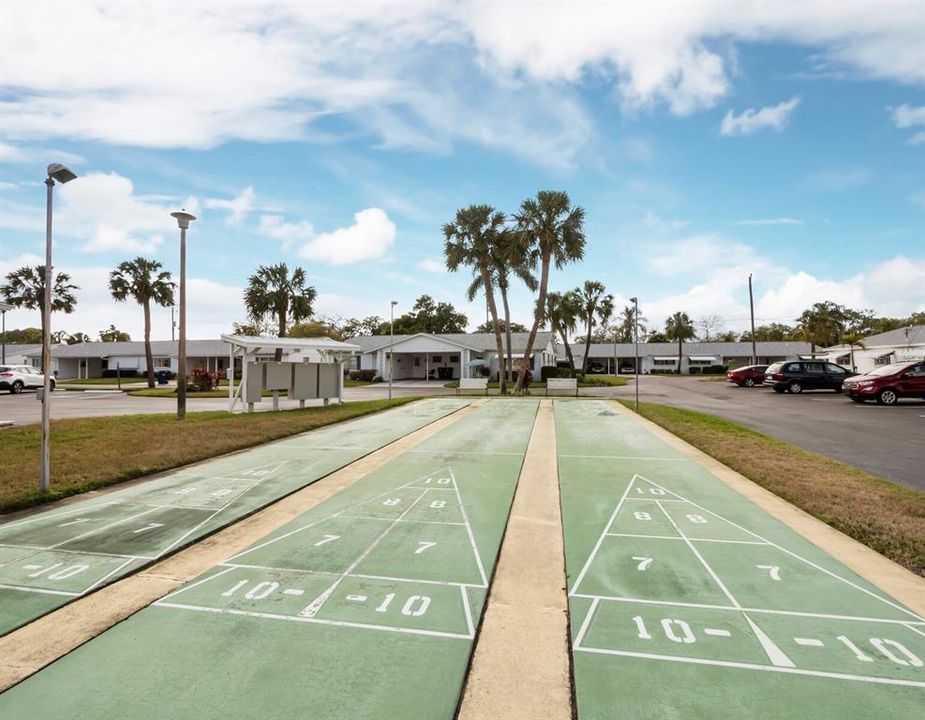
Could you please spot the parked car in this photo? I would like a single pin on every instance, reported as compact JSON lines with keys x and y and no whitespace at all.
{"x":596,"y":368}
{"x":888,"y":383}
{"x":747,"y":376}
{"x":17,"y":378}
{"x":795,"y":376}
{"x":627,"y":369}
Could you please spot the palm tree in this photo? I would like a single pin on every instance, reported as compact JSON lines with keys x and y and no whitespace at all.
{"x":272,"y":292}
{"x":25,"y":288}
{"x":594,"y":306}
{"x":509,"y":256}
{"x":562,"y":315}
{"x":626,"y":329}
{"x":679,"y":327}
{"x":553,"y":230}
{"x":146,"y":281}
{"x":853,"y":340}
{"x":470,"y":240}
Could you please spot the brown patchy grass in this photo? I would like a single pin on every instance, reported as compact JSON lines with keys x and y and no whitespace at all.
{"x":886,"y":517}
{"x":91,"y":453}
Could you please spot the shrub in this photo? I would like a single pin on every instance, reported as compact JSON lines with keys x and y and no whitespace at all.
{"x":554,"y":371}
{"x":126,"y":373}
{"x":363,"y":375}
{"x":693,"y":370}
{"x":714,"y":370}
{"x":203,"y":380}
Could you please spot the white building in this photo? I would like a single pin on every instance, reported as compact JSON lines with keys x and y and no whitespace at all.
{"x":21,"y":354}
{"x":902,"y":345}
{"x":446,"y":356}
{"x":700,"y":355}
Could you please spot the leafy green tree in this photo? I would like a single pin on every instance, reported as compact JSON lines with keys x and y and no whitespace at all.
{"x":25,"y":288}
{"x":774,"y":332}
{"x":470,"y":241}
{"x":562,"y":311}
{"x":315,"y":328}
{"x":679,"y":328}
{"x":428,"y":316}
{"x":489,"y":327}
{"x":26,"y":336}
{"x":553,"y":232}
{"x":595,"y":306}
{"x":273,"y":293}
{"x":657,"y":337}
{"x":145,"y":281}
{"x":114,"y":334}
{"x":77,"y":338}
{"x":355,"y":327}
{"x":822,"y":324}
{"x":726,"y":336}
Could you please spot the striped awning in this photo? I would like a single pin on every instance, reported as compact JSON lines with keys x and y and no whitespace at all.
{"x":703,"y":358}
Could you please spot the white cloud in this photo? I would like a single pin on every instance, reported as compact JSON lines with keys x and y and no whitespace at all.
{"x":238,"y":207}
{"x":370,"y":237}
{"x":836,"y":179}
{"x":431,"y":266}
{"x":414,"y":75}
{"x":103,"y":210}
{"x":29,"y":154}
{"x":276,"y":227}
{"x":699,"y":255}
{"x":770,"y":221}
{"x":751,"y":120}
{"x":906,"y":116}
{"x":654,"y":222}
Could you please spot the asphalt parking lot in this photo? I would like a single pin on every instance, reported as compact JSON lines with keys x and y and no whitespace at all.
{"x":886,"y":441}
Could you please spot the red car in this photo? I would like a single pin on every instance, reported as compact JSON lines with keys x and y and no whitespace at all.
{"x":748,"y":376}
{"x":888,"y":383}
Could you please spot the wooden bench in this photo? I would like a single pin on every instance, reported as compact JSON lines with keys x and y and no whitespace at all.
{"x":566,"y":384}
{"x":473,"y":384}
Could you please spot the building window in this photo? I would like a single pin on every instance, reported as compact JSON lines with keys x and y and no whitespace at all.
{"x":454,"y":358}
{"x":162,"y":362}
{"x":699,"y":363}
{"x":437,"y":358}
{"x":662,"y":362}
{"x":417,"y":361}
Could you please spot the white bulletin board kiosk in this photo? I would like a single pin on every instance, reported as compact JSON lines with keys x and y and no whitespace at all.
{"x":310,"y":368}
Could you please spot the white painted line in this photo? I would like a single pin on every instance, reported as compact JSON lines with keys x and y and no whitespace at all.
{"x":793,"y":554}
{"x":625,"y":457}
{"x":355,"y":598}
{"x":475,"y":550}
{"x":692,"y":539}
{"x":585,"y":624}
{"x":600,"y":540}
{"x":105,"y":577}
{"x":464,"y":592}
{"x":78,"y":552}
{"x":31,"y":567}
{"x":192,"y":585}
{"x":751,"y":666}
{"x":652,"y":499}
{"x":442,"y":453}
{"x":315,"y":605}
{"x":716,"y":632}
{"x":56,"y":515}
{"x":774,"y":653}
{"x":445,"y":583}
{"x":101,"y":529}
{"x":808,"y":642}
{"x":295,"y":591}
{"x":318,"y":621}
{"x":791,"y":613}
{"x":421,"y":522}
{"x":915,"y":630}
{"x":41,"y":591}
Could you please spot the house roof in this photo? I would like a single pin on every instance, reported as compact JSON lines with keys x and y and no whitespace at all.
{"x":724,"y":349}
{"x":23,"y":349}
{"x":479,"y":342}
{"x":289,"y":343}
{"x":910,"y":335}
{"x":136,"y":348}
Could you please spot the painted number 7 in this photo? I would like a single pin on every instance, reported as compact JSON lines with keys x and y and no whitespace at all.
{"x":327,"y":539}
{"x":773,"y":571}
{"x":644,"y":563}
{"x":423,"y":545}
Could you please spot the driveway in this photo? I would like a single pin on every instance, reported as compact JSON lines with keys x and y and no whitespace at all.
{"x":886,"y":441}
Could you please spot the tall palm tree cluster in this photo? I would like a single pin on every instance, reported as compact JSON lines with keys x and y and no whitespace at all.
{"x":546,"y":230}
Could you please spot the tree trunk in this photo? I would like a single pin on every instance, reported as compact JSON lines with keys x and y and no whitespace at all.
{"x":507,"y":333}
{"x":282,"y":333}
{"x":493,"y":311}
{"x":680,"y":342}
{"x":584,"y":361}
{"x":537,"y":320}
{"x":568,"y":349}
{"x":149,"y":356}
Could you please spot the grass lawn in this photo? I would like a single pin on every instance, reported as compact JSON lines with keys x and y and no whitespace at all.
{"x":171,"y":392}
{"x":103,"y":381}
{"x":88,"y":453}
{"x":884,"y":516}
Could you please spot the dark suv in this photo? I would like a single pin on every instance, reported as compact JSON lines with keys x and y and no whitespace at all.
{"x":795,"y":376}
{"x":888,"y":383}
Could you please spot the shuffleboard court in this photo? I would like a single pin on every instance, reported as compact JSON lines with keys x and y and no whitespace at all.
{"x":688,"y":601}
{"x":366,"y":606}
{"x":52,"y":557}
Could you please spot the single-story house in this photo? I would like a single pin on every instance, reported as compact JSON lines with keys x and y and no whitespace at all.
{"x":86,"y":360}
{"x":664,"y":356}
{"x":21,"y":354}
{"x":901,"y":345}
{"x":424,"y":356}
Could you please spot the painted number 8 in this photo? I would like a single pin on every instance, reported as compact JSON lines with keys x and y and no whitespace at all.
{"x":696,"y":519}
{"x":642,"y":516}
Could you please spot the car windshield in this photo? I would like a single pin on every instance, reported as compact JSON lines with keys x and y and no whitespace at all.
{"x":774,"y":368}
{"x":888,"y":369}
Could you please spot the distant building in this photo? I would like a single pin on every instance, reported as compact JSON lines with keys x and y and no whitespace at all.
{"x":20,"y":354}
{"x":446,"y":356}
{"x":902,"y":345}
{"x":605,"y":357}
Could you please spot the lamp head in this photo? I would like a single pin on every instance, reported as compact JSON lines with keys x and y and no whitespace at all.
{"x":633,"y":300}
{"x":183,"y":218}
{"x":394,"y":303}
{"x":61,"y":173}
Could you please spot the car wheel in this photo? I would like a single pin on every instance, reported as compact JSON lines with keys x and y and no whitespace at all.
{"x":749,"y":382}
{"x":778,"y":389}
{"x":51,"y":386}
{"x":887,"y":396}
{"x":16,"y":387}
{"x":795,"y":388}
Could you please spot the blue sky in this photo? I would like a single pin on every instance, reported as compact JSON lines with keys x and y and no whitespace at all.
{"x":705,"y":142}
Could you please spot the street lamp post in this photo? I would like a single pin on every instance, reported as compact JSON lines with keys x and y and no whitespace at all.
{"x":63,"y":174}
{"x":173,"y":320}
{"x":391,"y":344}
{"x":3,"y":308}
{"x":183,"y":220}
{"x":635,"y":302}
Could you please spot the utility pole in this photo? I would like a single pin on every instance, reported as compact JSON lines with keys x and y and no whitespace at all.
{"x":751,"y":305}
